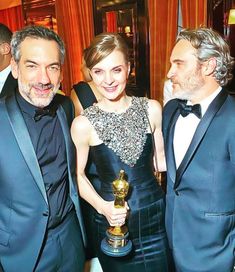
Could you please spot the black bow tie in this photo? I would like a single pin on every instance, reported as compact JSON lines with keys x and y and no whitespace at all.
{"x":186,"y":109}
{"x":39,"y":113}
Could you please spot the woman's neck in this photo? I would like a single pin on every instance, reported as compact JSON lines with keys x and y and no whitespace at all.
{"x":120,"y":105}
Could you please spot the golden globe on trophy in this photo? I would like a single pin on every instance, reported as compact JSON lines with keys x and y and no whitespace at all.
{"x":116,"y":243}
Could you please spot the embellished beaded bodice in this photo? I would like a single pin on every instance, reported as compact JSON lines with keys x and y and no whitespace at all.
{"x":125,"y":133}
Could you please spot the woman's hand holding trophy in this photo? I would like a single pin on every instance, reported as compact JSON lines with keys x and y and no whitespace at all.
{"x":116,"y":243}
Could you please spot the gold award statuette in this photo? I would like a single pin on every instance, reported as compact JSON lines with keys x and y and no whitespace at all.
{"x":116,"y":243}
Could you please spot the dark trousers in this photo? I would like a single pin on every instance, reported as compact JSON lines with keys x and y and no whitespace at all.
{"x":63,"y":250}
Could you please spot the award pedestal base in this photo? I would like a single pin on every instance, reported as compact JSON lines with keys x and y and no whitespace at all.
{"x":116,"y":246}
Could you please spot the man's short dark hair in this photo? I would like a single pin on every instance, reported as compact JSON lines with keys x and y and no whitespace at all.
{"x":35,"y":32}
{"x":5,"y":34}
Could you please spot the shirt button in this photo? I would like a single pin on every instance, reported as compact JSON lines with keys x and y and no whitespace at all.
{"x":46,"y":213}
{"x":177,"y":192}
{"x":48,"y":186}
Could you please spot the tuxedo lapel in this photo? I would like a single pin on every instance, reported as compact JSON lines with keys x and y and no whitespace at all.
{"x":171,"y":166}
{"x":199,"y":133}
{"x":24,"y":141}
{"x":70,"y":153}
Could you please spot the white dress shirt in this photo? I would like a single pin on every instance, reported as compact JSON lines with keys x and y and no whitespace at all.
{"x":3,"y":76}
{"x":185,"y":128}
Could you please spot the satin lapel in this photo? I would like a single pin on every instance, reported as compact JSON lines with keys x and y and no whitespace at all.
{"x":70,"y":152}
{"x":171,"y":166}
{"x":24,"y":141}
{"x":200,"y":132}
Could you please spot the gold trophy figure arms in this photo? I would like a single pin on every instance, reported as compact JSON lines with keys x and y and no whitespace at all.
{"x":116,"y":243}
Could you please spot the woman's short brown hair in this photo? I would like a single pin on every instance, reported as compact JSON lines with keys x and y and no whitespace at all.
{"x":103,"y":45}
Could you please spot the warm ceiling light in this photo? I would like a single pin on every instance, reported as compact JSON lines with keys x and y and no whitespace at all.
{"x":127,"y":29}
{"x":231,"y":17}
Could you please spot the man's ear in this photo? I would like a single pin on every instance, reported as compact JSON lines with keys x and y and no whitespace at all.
{"x":5,"y":48}
{"x":14,"y":68}
{"x":209,"y":66}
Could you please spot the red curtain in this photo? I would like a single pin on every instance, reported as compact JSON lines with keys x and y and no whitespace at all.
{"x":111,"y":19}
{"x":163,"y":35}
{"x":75,"y":26}
{"x":194,"y":13}
{"x":12,"y":17}
{"x":163,"y":30}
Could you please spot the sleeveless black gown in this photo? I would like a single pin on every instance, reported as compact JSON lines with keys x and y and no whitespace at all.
{"x":127,"y":145}
{"x":145,"y":221}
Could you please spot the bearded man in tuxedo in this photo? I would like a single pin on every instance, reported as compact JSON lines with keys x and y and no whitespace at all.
{"x":41,"y":228}
{"x":199,"y":133}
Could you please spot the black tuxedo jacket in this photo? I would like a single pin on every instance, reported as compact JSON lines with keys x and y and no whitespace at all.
{"x":200,"y":200}
{"x":23,"y":199}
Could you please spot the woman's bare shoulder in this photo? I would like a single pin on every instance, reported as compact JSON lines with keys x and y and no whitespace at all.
{"x":81,"y":126}
{"x":154,"y":106}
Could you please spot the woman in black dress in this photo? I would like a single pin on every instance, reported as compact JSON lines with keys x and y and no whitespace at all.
{"x":117,"y":134}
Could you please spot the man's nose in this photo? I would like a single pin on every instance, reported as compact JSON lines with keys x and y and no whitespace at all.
{"x":171,"y":72}
{"x":43,"y":76}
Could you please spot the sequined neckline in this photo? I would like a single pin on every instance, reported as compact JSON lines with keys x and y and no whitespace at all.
{"x":116,"y":113}
{"x":125,"y":133}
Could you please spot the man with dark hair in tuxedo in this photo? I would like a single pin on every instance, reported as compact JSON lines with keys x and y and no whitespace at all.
{"x":41,"y":228}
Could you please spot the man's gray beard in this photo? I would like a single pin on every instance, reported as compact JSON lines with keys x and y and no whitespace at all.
{"x":182,"y":95}
{"x":193,"y":94}
{"x":25,"y":89}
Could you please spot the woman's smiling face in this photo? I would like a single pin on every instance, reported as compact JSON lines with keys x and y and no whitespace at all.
{"x":110,"y":75}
